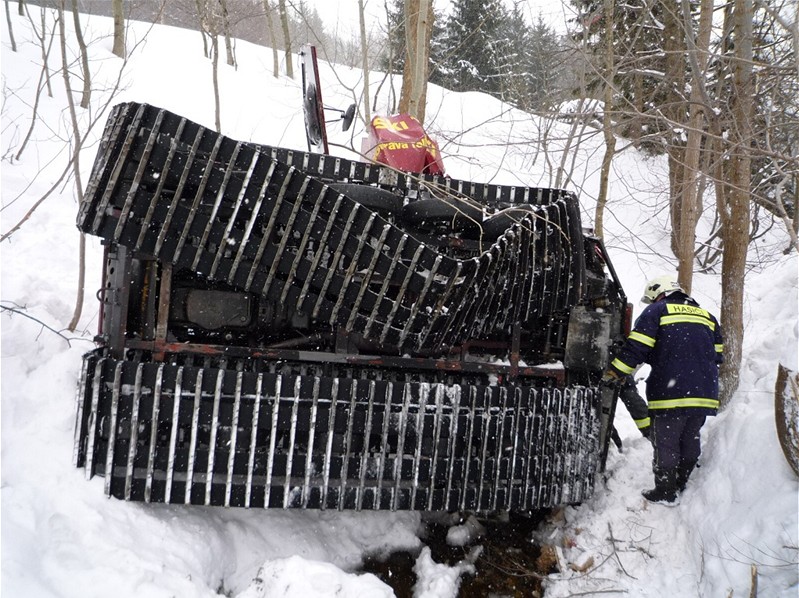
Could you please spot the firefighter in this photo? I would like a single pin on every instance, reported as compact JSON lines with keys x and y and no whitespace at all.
{"x":683,"y":344}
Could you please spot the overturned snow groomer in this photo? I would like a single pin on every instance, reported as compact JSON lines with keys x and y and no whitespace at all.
{"x":285,"y":329}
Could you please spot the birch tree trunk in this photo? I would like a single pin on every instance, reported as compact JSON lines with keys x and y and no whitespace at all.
{"x":367,"y":113}
{"x":270,"y":24}
{"x":119,"y":28}
{"x":230,"y":54}
{"x":284,"y":20}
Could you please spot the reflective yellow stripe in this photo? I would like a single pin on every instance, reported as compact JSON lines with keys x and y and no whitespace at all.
{"x":677,"y":308}
{"x":719,"y":348}
{"x":642,"y":338}
{"x":686,"y":402}
{"x":643,"y":423}
{"x":684,"y":319}
{"x":621,"y":366}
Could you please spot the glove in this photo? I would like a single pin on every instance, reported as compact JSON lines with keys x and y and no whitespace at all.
{"x":611,"y":377}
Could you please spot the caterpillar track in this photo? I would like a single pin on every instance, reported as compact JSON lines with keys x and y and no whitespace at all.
{"x":283,"y":329}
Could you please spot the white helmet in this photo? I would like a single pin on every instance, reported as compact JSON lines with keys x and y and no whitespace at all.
{"x":662,"y":285}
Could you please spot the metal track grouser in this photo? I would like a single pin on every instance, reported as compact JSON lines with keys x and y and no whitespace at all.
{"x":287,"y":329}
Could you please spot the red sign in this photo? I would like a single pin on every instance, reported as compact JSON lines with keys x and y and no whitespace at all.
{"x":400,"y":141}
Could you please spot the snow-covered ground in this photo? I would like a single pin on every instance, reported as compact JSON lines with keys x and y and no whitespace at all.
{"x":61,"y":537}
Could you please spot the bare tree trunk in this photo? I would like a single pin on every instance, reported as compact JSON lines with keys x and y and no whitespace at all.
{"x":674,"y":111}
{"x":21,"y":8}
{"x":418,"y":32}
{"x":84,"y":58}
{"x":735,"y":214}
{"x":607,"y":121}
{"x":691,"y":199}
{"x":367,"y":113}
{"x":35,"y":116}
{"x":11,"y":29}
{"x":119,"y":28}
{"x":215,"y":75}
{"x":202,"y":14}
{"x":284,"y":20}
{"x":272,"y":38}
{"x":46,"y":51}
{"x":76,"y":149}
{"x":230,"y":54}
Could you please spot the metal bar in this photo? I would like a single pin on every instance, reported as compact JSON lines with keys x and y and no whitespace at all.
{"x":209,"y":166}
{"x":292,"y":441}
{"x":311,"y":436}
{"x":287,"y":234}
{"x":403,"y":288}
{"x":220,"y":194}
{"x":93,"y":418}
{"x":112,"y":428}
{"x":239,"y":201}
{"x":365,"y":450}
{"x":301,"y":248}
{"x":453,"y":435}
{"x":487,"y":408}
{"x":166,"y":228}
{"x":440,"y":306}
{"x":331,"y":429}
{"x":209,"y":479}
{"x":420,"y":299}
{"x":370,"y":271}
{"x":134,"y":187}
{"x":173,"y":434}
{"x":195,"y":418}
{"x":467,"y":459}
{"x":353,"y":265}
{"x":386,"y":282}
{"x":131,"y":132}
{"x":134,"y":431}
{"x":424,"y":392}
{"x":334,"y":261}
{"x":322,"y":248}
{"x":270,"y":458}
{"x":256,"y":414}
{"x":345,"y":466}
{"x":256,"y":212}
{"x":148,"y":483}
{"x":162,"y":177}
{"x":275,"y":211}
{"x":406,"y":399}
{"x":381,"y":465}
{"x":79,"y":460}
{"x":234,"y":432}
{"x":436,"y":439}
{"x":529,"y":469}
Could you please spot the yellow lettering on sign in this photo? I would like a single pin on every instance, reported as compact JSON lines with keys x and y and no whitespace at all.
{"x":384,"y":123}
{"x":673,"y":308}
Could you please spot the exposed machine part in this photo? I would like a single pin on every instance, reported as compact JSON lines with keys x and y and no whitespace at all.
{"x":286,"y":329}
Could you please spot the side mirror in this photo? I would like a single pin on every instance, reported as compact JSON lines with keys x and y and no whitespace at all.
{"x":349,"y":115}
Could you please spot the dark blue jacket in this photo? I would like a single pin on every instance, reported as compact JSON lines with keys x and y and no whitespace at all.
{"x":683,"y":344}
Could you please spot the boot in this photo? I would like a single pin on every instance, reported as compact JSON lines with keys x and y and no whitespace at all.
{"x":665,"y":491}
{"x":684,"y":470}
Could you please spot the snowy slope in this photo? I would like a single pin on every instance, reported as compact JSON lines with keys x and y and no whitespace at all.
{"x":62,"y":538}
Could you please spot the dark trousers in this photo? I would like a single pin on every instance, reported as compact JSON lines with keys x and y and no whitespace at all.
{"x":675,"y":438}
